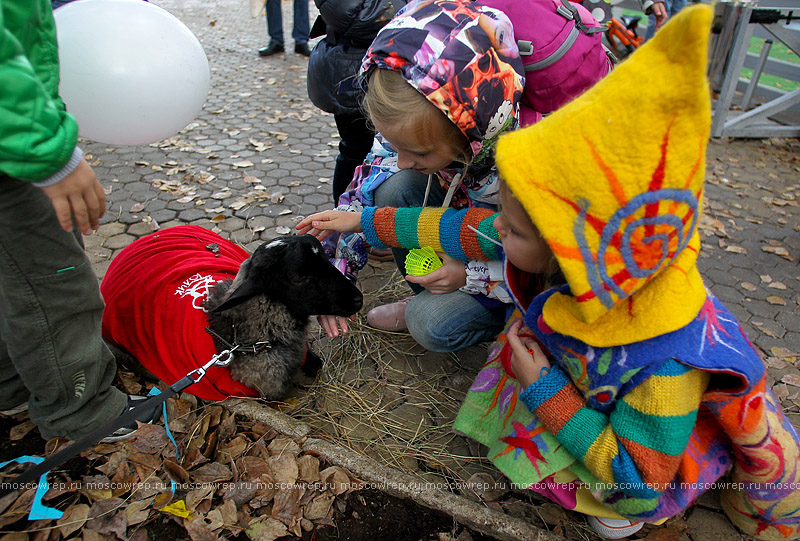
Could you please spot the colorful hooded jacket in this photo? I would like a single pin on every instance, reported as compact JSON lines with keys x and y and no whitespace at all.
{"x":655,"y":394}
{"x":463,"y":58}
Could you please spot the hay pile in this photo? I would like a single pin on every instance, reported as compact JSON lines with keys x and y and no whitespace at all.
{"x":382,"y":395}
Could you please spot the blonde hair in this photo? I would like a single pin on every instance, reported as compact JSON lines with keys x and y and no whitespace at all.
{"x":391,"y":100}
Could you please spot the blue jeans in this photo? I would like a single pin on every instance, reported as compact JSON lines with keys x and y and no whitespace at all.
{"x":300,"y":29}
{"x":448,"y":322}
{"x":672,"y":6}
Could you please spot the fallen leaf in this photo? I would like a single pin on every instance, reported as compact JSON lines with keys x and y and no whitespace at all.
{"x":178,"y":509}
{"x":243,"y":163}
{"x":149,"y":439}
{"x":199,"y":530}
{"x":308,"y":468}
{"x":73,"y":519}
{"x":21,"y":430}
{"x":213,"y":472}
{"x":251,"y":180}
{"x":775,"y":362}
{"x":240,"y":203}
{"x":748,"y":286}
{"x":282,"y":230}
{"x":108,"y":517}
{"x":784,"y":353}
{"x":96,"y":487}
{"x":240,"y":492}
{"x":266,"y":529}
{"x":781,"y":391}
{"x":137,"y":512}
{"x":286,"y":506}
{"x":282,"y":446}
{"x":791,"y":379}
{"x":137,"y":207}
{"x":284,"y":468}
{"x":772,"y":299}
{"x":778,"y":250}
{"x":336,"y":477}
{"x":176,"y":471}
{"x":735,"y":249}
{"x":777,"y":285}
{"x":770,"y":332}
{"x":277,"y":197}
{"x":319,"y":507}
{"x":766,"y":278}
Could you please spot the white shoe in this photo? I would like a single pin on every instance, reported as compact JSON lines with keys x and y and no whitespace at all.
{"x":614,"y":528}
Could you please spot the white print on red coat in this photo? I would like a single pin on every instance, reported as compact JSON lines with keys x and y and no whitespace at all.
{"x":196,"y":287}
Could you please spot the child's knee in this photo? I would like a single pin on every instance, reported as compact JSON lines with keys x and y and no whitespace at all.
{"x":406,"y":188}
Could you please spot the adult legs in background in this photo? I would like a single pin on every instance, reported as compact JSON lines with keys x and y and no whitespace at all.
{"x":274,"y":29}
{"x":51,"y":350}
{"x":355,"y":141}
{"x":301,"y":27}
{"x":672,"y":7}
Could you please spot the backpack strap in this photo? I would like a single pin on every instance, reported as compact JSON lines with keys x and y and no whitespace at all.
{"x":570,"y":12}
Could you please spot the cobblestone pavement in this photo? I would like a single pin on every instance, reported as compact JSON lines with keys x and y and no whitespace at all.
{"x":260,"y":155}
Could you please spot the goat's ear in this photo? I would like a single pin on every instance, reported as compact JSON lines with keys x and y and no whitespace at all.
{"x":244,"y":286}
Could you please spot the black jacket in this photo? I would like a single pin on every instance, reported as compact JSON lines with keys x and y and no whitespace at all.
{"x":351,"y":25}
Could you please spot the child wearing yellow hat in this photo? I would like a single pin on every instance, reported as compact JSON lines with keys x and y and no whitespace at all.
{"x":628,"y":390}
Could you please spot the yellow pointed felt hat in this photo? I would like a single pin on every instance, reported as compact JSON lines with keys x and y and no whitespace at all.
{"x":614,"y":180}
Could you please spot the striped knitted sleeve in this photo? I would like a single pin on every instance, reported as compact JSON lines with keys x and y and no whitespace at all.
{"x":466,"y":234}
{"x":638,"y":446}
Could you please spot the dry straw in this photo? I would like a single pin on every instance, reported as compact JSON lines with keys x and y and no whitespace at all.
{"x":382,"y":395}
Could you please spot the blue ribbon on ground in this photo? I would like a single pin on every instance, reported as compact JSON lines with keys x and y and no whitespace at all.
{"x":38,"y":511}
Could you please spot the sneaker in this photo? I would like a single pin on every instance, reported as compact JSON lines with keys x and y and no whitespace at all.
{"x":302,"y":48}
{"x":147,"y":417}
{"x":389,"y":317}
{"x":15,"y":410}
{"x":614,"y":528}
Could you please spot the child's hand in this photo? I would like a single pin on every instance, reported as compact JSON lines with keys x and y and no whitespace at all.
{"x":528,"y":360}
{"x":322,"y":223}
{"x":449,"y":277}
{"x":80,"y":197}
{"x":331,"y":324}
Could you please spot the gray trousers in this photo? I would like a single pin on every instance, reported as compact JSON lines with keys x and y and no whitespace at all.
{"x":51,"y":350}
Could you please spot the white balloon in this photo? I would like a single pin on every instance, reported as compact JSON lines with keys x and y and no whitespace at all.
{"x":131,"y":73}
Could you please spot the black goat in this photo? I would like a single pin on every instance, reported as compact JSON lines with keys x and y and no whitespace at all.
{"x":171,"y":305}
{"x":270,"y":301}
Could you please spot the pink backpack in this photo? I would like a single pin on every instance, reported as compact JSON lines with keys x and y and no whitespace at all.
{"x":559,"y":42}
